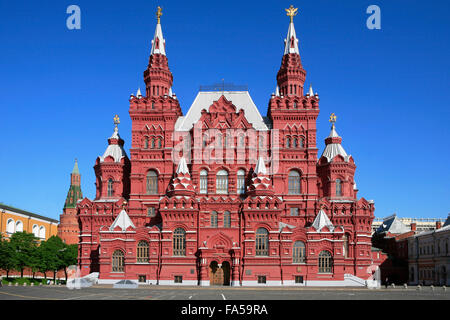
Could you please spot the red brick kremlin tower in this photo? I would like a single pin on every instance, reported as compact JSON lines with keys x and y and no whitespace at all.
{"x":223,"y":195}
{"x":68,"y":228}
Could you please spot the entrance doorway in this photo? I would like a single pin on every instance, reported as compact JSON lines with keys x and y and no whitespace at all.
{"x":219,"y":275}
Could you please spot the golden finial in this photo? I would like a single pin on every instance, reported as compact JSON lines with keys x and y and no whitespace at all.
{"x":291,"y":12}
{"x":116,"y":120}
{"x":159,"y":14}
{"x":332,"y":119}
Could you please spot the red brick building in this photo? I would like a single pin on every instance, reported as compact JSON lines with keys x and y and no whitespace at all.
{"x":223,"y":195}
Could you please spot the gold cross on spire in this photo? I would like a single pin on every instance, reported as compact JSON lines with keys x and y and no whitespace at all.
{"x":116,"y":120}
{"x":159,"y":14}
{"x":291,"y":12}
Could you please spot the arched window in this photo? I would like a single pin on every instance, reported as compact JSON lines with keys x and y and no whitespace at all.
{"x":219,"y":140}
{"x":42,"y":232}
{"x":214,"y":219}
{"x":159,"y":143}
{"x":152,"y":182}
{"x":110,"y":187}
{"x":142,"y":251}
{"x":179,"y":242}
{"x":298,"y":252}
{"x":262,"y":242}
{"x":153,"y":143}
{"x":205,"y":140}
{"x":118,"y":261}
{"x":203,"y":181}
{"x":10,"y":226}
{"x":146,"y":143}
{"x":294,"y":182}
{"x":241,"y":140}
{"x":302,"y":143}
{"x":288,"y":142}
{"x":295,"y":142}
{"x":222,"y":182}
{"x":325,"y":262}
{"x":36,"y":230}
{"x":240,"y":181}
{"x":338,"y":188}
{"x":227,"y":219}
{"x":261,"y":142}
{"x":19,"y":226}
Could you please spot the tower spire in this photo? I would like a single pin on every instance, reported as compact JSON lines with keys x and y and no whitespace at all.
{"x":158,"y":78}
{"x":291,"y":76}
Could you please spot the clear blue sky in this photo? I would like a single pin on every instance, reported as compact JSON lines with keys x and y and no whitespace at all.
{"x":60,"y":88}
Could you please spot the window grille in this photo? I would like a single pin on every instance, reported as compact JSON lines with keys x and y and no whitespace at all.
{"x":152,"y":182}
{"x":262,"y":242}
{"x":325,"y":262}
{"x":118,"y":261}
{"x":294,"y":182}
{"x":179,"y":242}
{"x":142,"y":251}
{"x":298,"y":252}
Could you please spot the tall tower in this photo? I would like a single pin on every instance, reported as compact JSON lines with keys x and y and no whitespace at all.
{"x":68,"y":228}
{"x":293,"y":115}
{"x":153,"y":119}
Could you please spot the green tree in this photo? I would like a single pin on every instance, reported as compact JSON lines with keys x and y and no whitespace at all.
{"x":51,"y":253}
{"x":8,"y":257}
{"x":24,"y":245}
{"x":69,"y":256}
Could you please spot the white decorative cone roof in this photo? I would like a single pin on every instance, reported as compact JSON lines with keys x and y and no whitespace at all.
{"x":321,"y":221}
{"x":260,"y":167}
{"x":123,"y":221}
{"x":311,"y":92}
{"x":290,"y":47}
{"x":158,"y":46}
{"x":138,"y":92}
{"x":182,"y":166}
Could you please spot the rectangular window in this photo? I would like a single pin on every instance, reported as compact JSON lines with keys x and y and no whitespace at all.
{"x":294,"y":212}
{"x":142,"y":278}
{"x":151,"y":212}
{"x":178,"y":279}
{"x":298,"y":279}
{"x":261,"y":279}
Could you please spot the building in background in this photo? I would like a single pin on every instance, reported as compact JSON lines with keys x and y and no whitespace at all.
{"x":395,"y":238}
{"x":17,"y":220}
{"x":68,"y":229}
{"x":422,"y":224}
{"x":180,"y":212}
{"x":429,"y":256}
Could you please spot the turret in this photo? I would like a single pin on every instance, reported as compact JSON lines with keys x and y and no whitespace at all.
{"x":336,"y":168}
{"x":112,"y":169}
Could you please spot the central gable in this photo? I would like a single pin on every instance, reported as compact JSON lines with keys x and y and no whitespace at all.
{"x":222,"y":102}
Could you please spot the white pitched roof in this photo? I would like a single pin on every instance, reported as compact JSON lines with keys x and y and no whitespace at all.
{"x":288,"y":47}
{"x":123,"y":221}
{"x":321,"y":221}
{"x":204,"y":99}
{"x":114,"y":150}
{"x":158,"y":35}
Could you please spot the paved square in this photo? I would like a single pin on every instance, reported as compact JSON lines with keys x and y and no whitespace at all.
{"x":220,"y":293}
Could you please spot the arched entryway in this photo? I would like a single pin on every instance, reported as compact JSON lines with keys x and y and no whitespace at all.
{"x":219,"y":274}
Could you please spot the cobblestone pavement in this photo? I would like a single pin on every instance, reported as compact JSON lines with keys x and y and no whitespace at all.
{"x":99,"y":292}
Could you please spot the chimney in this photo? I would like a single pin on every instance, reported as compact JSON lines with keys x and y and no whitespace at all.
{"x":438,"y":225}
{"x":413,"y":226}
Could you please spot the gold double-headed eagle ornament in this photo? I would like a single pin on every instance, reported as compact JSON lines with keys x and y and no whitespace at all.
{"x":291,"y":12}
